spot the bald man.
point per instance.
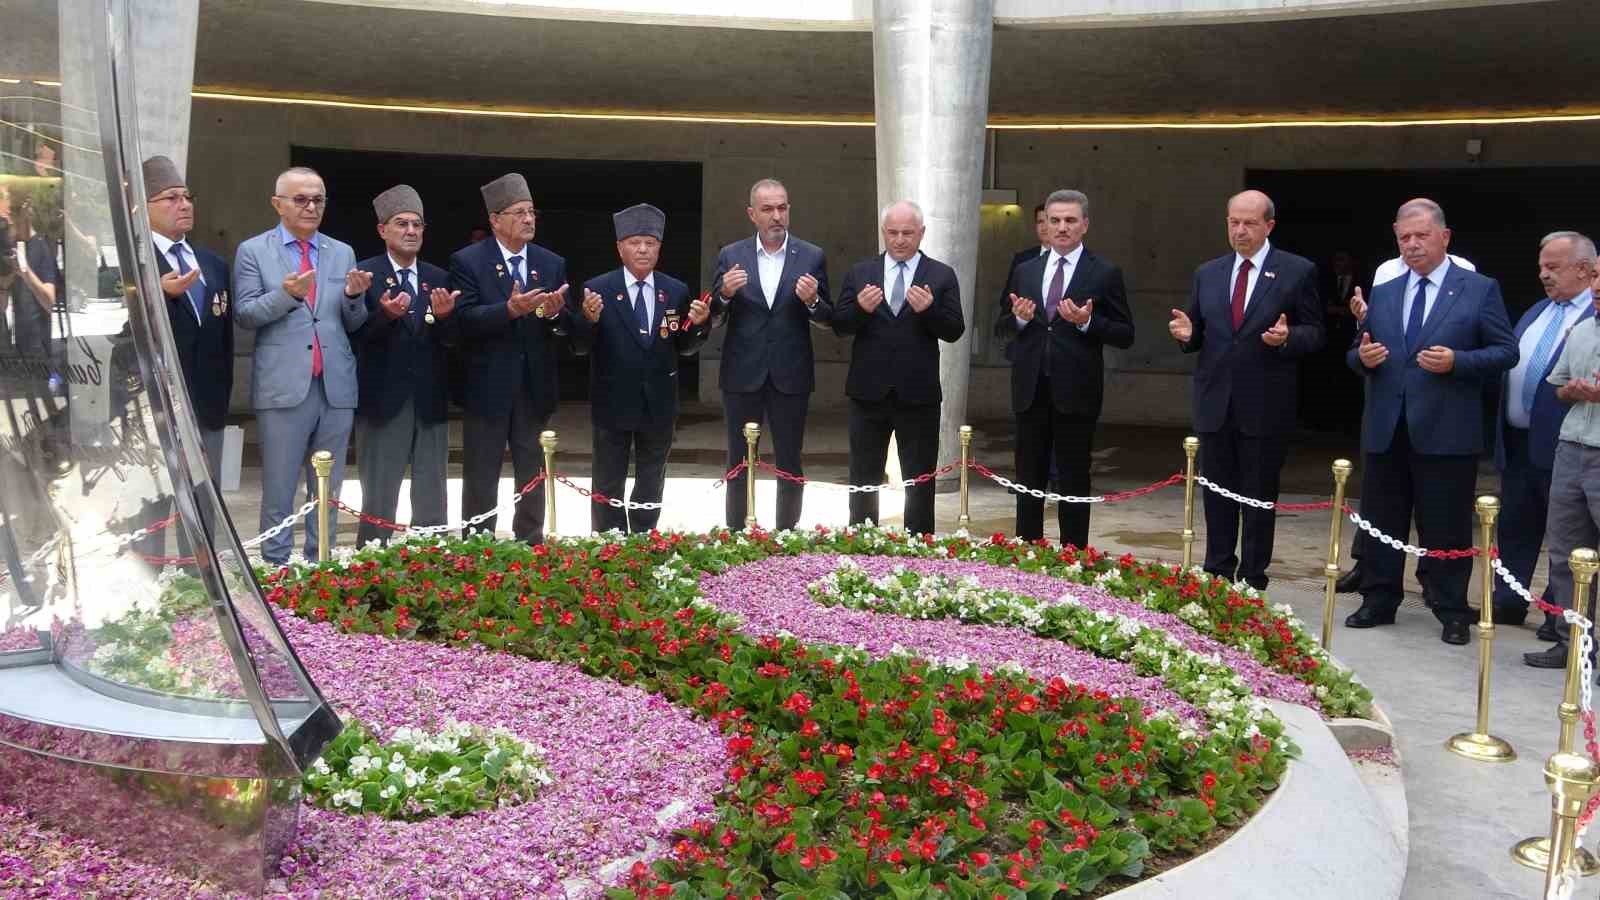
(1252, 315)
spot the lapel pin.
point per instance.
(499, 268)
(619, 296)
(389, 282)
(424, 285)
(428, 316)
(663, 329)
(1270, 274)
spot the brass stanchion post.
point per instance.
(1479, 744)
(548, 440)
(1534, 852)
(964, 520)
(1191, 447)
(322, 462)
(752, 434)
(1341, 472)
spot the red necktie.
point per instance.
(311, 303)
(1239, 285)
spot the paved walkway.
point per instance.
(1464, 816)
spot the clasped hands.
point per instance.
(1026, 309)
(1181, 327)
(919, 297)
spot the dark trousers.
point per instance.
(916, 430)
(1247, 465)
(1052, 442)
(1437, 490)
(784, 417)
(1524, 506)
(649, 448)
(483, 449)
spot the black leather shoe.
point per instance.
(1456, 632)
(1509, 615)
(1369, 617)
(1349, 582)
(1549, 658)
(1551, 630)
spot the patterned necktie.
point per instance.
(641, 314)
(1533, 376)
(516, 272)
(1419, 307)
(1058, 288)
(897, 298)
(1240, 285)
(311, 304)
(197, 291)
(414, 313)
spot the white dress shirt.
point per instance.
(632, 286)
(889, 272)
(1052, 259)
(167, 248)
(1394, 268)
(1254, 276)
(522, 263)
(1517, 416)
(416, 286)
(769, 268)
(1435, 282)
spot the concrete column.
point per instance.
(164, 35)
(930, 63)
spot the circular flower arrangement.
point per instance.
(832, 714)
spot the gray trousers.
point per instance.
(1574, 512)
(288, 438)
(211, 443)
(382, 454)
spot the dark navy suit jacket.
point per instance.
(899, 354)
(1544, 422)
(776, 342)
(1237, 369)
(1443, 413)
(403, 358)
(633, 378)
(205, 346)
(500, 354)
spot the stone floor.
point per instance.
(1464, 815)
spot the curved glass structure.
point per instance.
(142, 676)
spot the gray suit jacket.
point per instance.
(280, 369)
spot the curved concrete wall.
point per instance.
(856, 15)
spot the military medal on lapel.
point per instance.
(219, 304)
(671, 324)
(389, 281)
(428, 316)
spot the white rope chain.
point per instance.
(1038, 493)
(1396, 543)
(274, 531)
(1215, 488)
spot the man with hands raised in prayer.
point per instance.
(301, 293)
(770, 290)
(898, 306)
(1429, 343)
(403, 370)
(512, 309)
(1252, 315)
(1057, 352)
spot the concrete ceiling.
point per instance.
(1485, 59)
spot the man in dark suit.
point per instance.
(1061, 311)
(1041, 230)
(512, 308)
(401, 368)
(1253, 314)
(1430, 342)
(770, 290)
(899, 305)
(199, 308)
(636, 322)
(1529, 419)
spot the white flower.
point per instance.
(350, 798)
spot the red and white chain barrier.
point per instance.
(425, 530)
(1051, 497)
(924, 478)
(1242, 500)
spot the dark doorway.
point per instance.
(575, 199)
(1496, 218)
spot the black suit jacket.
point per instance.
(500, 354)
(205, 346)
(1238, 370)
(1077, 358)
(899, 354)
(776, 342)
(633, 379)
(1021, 256)
(403, 358)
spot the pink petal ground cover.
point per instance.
(770, 596)
(629, 768)
(19, 638)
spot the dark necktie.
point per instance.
(414, 313)
(641, 313)
(1058, 288)
(197, 291)
(1240, 288)
(1419, 307)
(516, 272)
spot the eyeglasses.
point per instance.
(184, 197)
(408, 224)
(303, 202)
(520, 213)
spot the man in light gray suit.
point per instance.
(300, 292)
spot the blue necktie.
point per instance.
(897, 298)
(1414, 322)
(516, 272)
(1533, 376)
(414, 314)
(197, 291)
(641, 313)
